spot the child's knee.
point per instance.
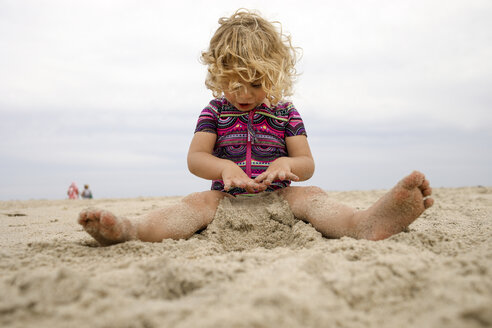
(311, 191)
(297, 195)
(205, 198)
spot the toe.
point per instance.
(413, 180)
(94, 214)
(107, 218)
(427, 192)
(425, 188)
(89, 215)
(82, 217)
(428, 202)
(425, 184)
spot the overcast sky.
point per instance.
(108, 92)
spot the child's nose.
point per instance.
(244, 92)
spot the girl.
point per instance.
(249, 140)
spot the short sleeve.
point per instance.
(207, 121)
(295, 126)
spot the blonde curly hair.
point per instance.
(246, 48)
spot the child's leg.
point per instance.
(178, 221)
(391, 214)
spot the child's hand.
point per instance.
(278, 170)
(234, 176)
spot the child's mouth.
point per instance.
(244, 106)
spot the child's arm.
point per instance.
(298, 166)
(202, 163)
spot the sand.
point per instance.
(254, 266)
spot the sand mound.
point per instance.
(261, 221)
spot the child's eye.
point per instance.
(256, 85)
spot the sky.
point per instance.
(107, 93)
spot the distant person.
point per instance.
(86, 193)
(248, 140)
(73, 191)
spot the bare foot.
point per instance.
(105, 227)
(395, 211)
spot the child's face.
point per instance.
(247, 98)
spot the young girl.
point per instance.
(249, 140)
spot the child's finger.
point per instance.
(266, 178)
(251, 187)
(262, 187)
(230, 183)
(238, 183)
(259, 178)
(293, 177)
(281, 175)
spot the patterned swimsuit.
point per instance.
(251, 139)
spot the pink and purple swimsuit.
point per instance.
(251, 139)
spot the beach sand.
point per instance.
(254, 266)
